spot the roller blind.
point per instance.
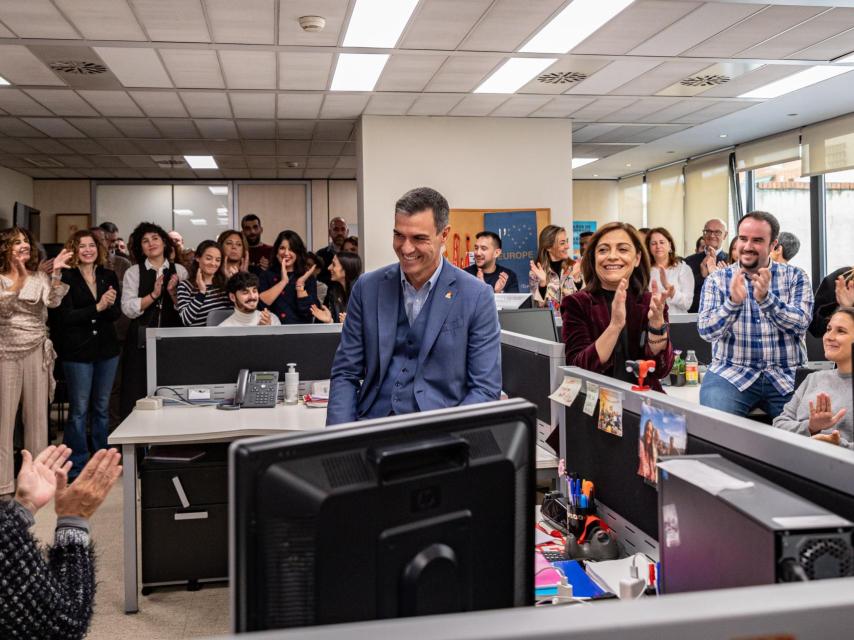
(706, 195)
(828, 146)
(631, 200)
(665, 202)
(768, 151)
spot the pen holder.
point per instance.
(576, 517)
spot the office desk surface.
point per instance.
(686, 393)
(176, 424)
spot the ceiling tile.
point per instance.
(138, 161)
(246, 21)
(343, 174)
(38, 173)
(217, 128)
(153, 174)
(231, 162)
(826, 25)
(159, 104)
(102, 19)
(564, 74)
(283, 161)
(674, 111)
(601, 108)
(8, 145)
(597, 131)
(392, 104)
(173, 20)
(249, 69)
(19, 66)
(613, 76)
(54, 127)
(299, 105)
(18, 103)
(442, 24)
(338, 105)
(640, 109)
(333, 129)
(48, 145)
(349, 149)
(158, 147)
(206, 104)
(714, 111)
(263, 174)
(67, 173)
(96, 172)
(17, 128)
(261, 129)
(123, 147)
(701, 81)
(184, 174)
(295, 147)
(192, 148)
(5, 33)
(434, 104)
(659, 78)
(325, 147)
(304, 71)
(239, 174)
(253, 105)
(346, 162)
(74, 161)
(829, 49)
(291, 10)
(296, 129)
(261, 162)
(766, 24)
(290, 174)
(520, 106)
(409, 72)
(562, 106)
(322, 162)
(136, 127)
(95, 127)
(111, 103)
(704, 22)
(753, 80)
(176, 127)
(63, 102)
(478, 105)
(260, 147)
(634, 25)
(35, 19)
(316, 174)
(135, 67)
(508, 24)
(463, 73)
(225, 147)
(120, 172)
(193, 69)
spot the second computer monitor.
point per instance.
(537, 323)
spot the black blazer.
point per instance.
(87, 334)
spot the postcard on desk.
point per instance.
(611, 412)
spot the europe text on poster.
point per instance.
(518, 233)
(662, 433)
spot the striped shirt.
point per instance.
(194, 307)
(755, 337)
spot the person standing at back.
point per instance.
(553, 275)
(755, 313)
(259, 253)
(487, 250)
(338, 233)
(710, 259)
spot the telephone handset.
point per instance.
(256, 389)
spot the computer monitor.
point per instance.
(538, 323)
(408, 515)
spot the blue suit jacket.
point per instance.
(459, 361)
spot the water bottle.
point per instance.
(291, 384)
(692, 369)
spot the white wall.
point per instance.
(595, 200)
(14, 187)
(475, 163)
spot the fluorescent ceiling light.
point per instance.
(378, 23)
(797, 81)
(514, 74)
(358, 71)
(182, 212)
(580, 162)
(573, 25)
(199, 222)
(201, 162)
(219, 191)
(846, 58)
(3, 81)
(222, 211)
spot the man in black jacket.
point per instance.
(709, 259)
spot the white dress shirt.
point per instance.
(681, 277)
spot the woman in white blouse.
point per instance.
(669, 271)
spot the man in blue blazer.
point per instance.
(421, 334)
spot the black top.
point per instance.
(326, 254)
(89, 335)
(621, 348)
(825, 302)
(512, 284)
(694, 261)
(287, 306)
(336, 300)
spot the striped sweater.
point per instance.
(194, 307)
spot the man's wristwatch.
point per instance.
(658, 332)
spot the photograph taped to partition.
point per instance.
(662, 433)
(611, 412)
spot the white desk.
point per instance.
(686, 393)
(184, 424)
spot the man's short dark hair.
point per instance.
(790, 245)
(109, 227)
(490, 234)
(421, 199)
(241, 281)
(763, 216)
(249, 217)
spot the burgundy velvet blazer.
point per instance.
(586, 316)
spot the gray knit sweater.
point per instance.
(796, 413)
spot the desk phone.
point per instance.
(256, 389)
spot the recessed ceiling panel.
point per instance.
(74, 161)
(637, 111)
(715, 111)
(48, 145)
(322, 162)
(159, 104)
(18, 103)
(614, 75)
(508, 24)
(409, 72)
(478, 104)
(172, 20)
(829, 49)
(673, 112)
(205, 104)
(442, 24)
(230, 147)
(337, 105)
(176, 127)
(135, 67)
(333, 129)
(692, 84)
(826, 25)
(54, 127)
(18, 128)
(125, 147)
(249, 69)
(659, 78)
(304, 71)
(136, 127)
(35, 19)
(390, 104)
(299, 105)
(111, 103)
(434, 104)
(297, 147)
(326, 147)
(564, 74)
(253, 105)
(138, 161)
(520, 106)
(602, 108)
(217, 128)
(102, 19)
(463, 73)
(242, 21)
(193, 69)
(752, 80)
(83, 145)
(262, 129)
(591, 132)
(95, 127)
(290, 12)
(260, 147)
(19, 66)
(562, 107)
(63, 102)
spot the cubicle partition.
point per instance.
(814, 470)
(211, 357)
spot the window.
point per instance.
(839, 212)
(783, 192)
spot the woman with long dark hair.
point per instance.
(204, 289)
(90, 346)
(26, 352)
(288, 289)
(345, 269)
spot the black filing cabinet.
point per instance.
(184, 514)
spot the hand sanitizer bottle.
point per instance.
(292, 384)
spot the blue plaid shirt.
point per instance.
(755, 337)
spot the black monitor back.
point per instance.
(684, 336)
(408, 515)
(218, 359)
(537, 323)
(527, 375)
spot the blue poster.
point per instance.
(518, 233)
(579, 227)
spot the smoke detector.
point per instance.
(312, 24)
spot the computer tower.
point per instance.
(721, 526)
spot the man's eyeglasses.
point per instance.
(713, 232)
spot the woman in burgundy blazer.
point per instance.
(614, 318)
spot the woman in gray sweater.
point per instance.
(822, 405)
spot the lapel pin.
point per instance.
(449, 295)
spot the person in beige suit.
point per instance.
(26, 352)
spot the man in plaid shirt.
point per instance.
(755, 314)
